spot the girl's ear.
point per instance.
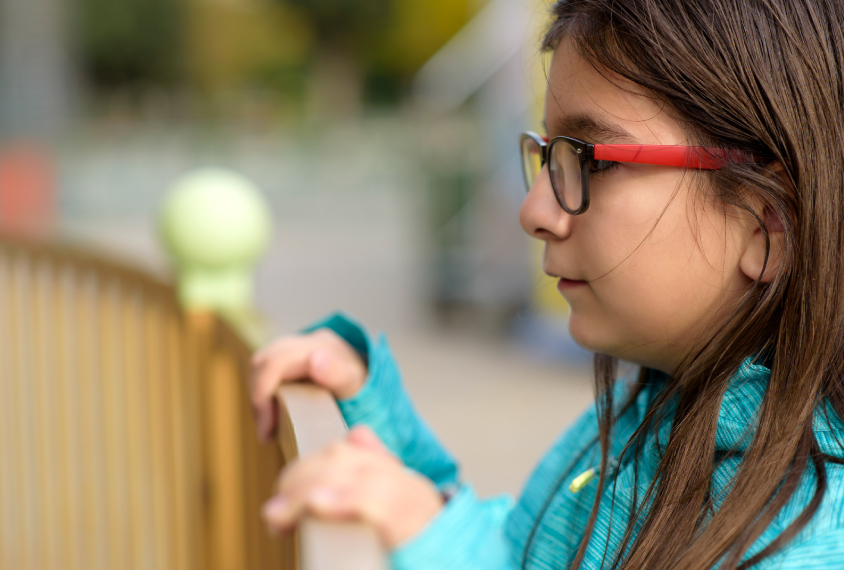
(753, 260)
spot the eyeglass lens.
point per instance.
(565, 175)
(532, 161)
(564, 170)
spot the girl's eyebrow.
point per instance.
(589, 128)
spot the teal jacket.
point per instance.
(543, 529)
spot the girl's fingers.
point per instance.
(260, 356)
(274, 513)
(333, 461)
(277, 345)
(364, 438)
(310, 485)
(286, 366)
(321, 356)
(337, 368)
(290, 359)
(320, 365)
(352, 481)
(282, 513)
(335, 504)
(327, 369)
(266, 417)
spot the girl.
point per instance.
(690, 195)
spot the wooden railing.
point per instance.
(126, 440)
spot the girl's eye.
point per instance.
(602, 166)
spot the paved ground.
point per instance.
(496, 406)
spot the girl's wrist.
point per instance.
(421, 505)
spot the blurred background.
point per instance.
(382, 134)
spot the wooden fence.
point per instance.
(126, 438)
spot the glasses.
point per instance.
(571, 162)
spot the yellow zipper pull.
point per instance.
(582, 480)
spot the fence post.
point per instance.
(215, 224)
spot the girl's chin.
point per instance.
(582, 334)
(589, 337)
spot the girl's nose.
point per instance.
(541, 216)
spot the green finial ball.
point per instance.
(215, 224)
(215, 217)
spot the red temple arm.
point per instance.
(667, 155)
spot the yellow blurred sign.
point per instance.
(547, 300)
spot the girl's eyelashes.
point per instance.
(602, 166)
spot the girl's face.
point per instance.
(654, 261)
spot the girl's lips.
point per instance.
(566, 284)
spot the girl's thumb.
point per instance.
(364, 438)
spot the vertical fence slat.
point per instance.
(193, 390)
(176, 379)
(45, 412)
(72, 293)
(29, 544)
(131, 338)
(261, 464)
(158, 418)
(96, 552)
(115, 409)
(250, 490)
(8, 445)
(64, 393)
(224, 457)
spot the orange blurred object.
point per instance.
(27, 190)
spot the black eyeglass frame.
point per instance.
(585, 153)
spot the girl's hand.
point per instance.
(357, 479)
(321, 356)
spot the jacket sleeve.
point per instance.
(383, 405)
(467, 534)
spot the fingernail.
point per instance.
(275, 507)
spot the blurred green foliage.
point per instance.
(217, 47)
(348, 24)
(243, 45)
(126, 41)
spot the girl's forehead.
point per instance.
(590, 127)
(582, 100)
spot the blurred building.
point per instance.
(38, 96)
(37, 75)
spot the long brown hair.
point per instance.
(762, 77)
